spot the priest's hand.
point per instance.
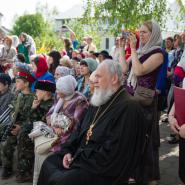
(67, 160)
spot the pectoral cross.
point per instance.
(89, 133)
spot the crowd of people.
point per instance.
(78, 116)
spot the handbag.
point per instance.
(144, 95)
(41, 128)
(43, 144)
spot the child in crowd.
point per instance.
(18, 133)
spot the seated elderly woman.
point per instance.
(61, 71)
(71, 107)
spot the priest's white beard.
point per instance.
(100, 97)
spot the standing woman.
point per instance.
(68, 47)
(53, 60)
(23, 46)
(144, 67)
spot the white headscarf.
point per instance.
(154, 42)
(66, 85)
(64, 71)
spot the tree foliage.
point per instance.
(33, 24)
(129, 13)
(182, 7)
(40, 29)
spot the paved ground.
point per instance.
(168, 162)
(168, 159)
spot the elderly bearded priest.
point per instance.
(107, 148)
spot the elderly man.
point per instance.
(107, 148)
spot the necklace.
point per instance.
(96, 118)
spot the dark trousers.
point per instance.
(53, 173)
(25, 152)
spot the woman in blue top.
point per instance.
(87, 66)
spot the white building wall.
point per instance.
(107, 43)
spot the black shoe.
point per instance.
(7, 173)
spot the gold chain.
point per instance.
(94, 122)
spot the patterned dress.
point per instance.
(75, 110)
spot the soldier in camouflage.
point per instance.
(40, 106)
(43, 101)
(19, 133)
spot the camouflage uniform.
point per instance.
(39, 114)
(24, 144)
(25, 147)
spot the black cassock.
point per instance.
(114, 150)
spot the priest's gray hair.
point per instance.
(114, 69)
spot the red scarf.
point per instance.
(42, 66)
